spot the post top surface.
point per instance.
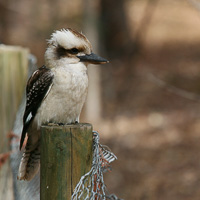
(57, 126)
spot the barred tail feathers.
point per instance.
(30, 164)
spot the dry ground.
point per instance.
(157, 135)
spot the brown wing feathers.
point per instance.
(37, 87)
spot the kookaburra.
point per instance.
(55, 92)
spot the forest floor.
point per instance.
(157, 137)
(158, 147)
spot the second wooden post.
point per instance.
(66, 155)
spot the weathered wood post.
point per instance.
(66, 155)
(13, 76)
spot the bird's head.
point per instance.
(71, 47)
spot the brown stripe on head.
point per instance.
(79, 35)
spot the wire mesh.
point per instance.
(91, 185)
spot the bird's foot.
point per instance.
(55, 124)
(61, 124)
(52, 124)
(76, 122)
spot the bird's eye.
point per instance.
(74, 51)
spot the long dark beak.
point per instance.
(93, 58)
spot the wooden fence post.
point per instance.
(13, 76)
(66, 155)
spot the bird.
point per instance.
(55, 92)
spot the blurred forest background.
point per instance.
(149, 92)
